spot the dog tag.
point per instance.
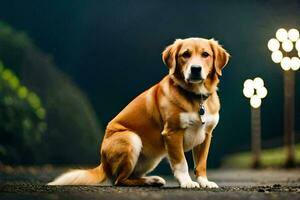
(201, 110)
(201, 113)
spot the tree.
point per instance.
(22, 120)
(73, 134)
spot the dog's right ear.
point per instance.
(169, 56)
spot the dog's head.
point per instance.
(195, 61)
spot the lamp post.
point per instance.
(283, 52)
(256, 91)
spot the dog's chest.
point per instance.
(194, 130)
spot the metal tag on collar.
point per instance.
(201, 110)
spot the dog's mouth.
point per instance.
(195, 79)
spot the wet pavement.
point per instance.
(29, 183)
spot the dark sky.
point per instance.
(112, 50)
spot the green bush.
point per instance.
(22, 120)
(73, 134)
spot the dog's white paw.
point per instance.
(155, 181)
(204, 183)
(189, 184)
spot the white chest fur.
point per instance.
(194, 129)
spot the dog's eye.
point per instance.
(186, 54)
(205, 54)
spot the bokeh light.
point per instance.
(289, 40)
(255, 90)
(255, 101)
(258, 83)
(287, 45)
(273, 44)
(285, 63)
(295, 63)
(262, 92)
(248, 92)
(277, 56)
(293, 34)
(249, 84)
(281, 34)
(298, 45)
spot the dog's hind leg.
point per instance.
(120, 153)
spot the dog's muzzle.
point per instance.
(195, 73)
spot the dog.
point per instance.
(176, 115)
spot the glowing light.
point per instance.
(281, 34)
(285, 63)
(277, 56)
(295, 63)
(258, 83)
(248, 92)
(248, 83)
(255, 101)
(273, 44)
(287, 45)
(293, 34)
(288, 40)
(255, 90)
(298, 45)
(262, 92)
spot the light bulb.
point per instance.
(248, 83)
(295, 63)
(293, 34)
(273, 44)
(287, 45)
(281, 34)
(255, 101)
(277, 56)
(297, 45)
(285, 63)
(248, 92)
(262, 92)
(258, 83)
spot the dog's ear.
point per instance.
(220, 56)
(169, 56)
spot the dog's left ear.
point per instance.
(220, 56)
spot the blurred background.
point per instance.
(69, 66)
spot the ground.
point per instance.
(29, 183)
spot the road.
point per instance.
(29, 183)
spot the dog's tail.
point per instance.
(81, 177)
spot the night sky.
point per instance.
(112, 50)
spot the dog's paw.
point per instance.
(204, 183)
(155, 181)
(189, 184)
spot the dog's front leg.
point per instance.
(174, 145)
(200, 154)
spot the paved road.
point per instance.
(29, 183)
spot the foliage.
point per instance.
(269, 157)
(22, 119)
(73, 133)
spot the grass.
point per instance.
(269, 158)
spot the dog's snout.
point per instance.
(195, 69)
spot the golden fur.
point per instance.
(156, 123)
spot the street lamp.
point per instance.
(256, 91)
(288, 57)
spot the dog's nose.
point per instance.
(196, 69)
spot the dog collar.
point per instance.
(201, 97)
(193, 95)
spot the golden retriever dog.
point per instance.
(176, 115)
